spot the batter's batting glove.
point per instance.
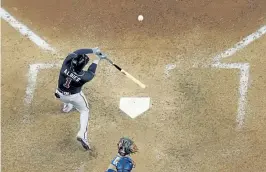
(96, 50)
(101, 56)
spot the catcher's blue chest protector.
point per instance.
(123, 164)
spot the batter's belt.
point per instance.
(62, 92)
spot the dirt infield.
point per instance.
(191, 125)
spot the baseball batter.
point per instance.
(71, 79)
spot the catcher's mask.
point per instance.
(79, 62)
(126, 146)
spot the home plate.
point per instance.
(134, 106)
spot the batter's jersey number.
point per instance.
(67, 83)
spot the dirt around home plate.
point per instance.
(191, 124)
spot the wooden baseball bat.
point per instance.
(127, 74)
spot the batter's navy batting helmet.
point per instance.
(79, 62)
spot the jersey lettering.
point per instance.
(71, 82)
(67, 83)
(71, 75)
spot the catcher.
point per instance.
(123, 162)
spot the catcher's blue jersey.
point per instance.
(121, 164)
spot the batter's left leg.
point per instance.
(81, 104)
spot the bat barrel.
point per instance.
(127, 74)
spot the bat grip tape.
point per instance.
(117, 67)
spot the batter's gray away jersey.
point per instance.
(70, 81)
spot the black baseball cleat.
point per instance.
(85, 145)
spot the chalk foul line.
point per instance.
(240, 45)
(244, 71)
(24, 30)
(34, 68)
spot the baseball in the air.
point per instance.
(140, 18)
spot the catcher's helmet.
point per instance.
(126, 146)
(79, 62)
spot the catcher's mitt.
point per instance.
(126, 146)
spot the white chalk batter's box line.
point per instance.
(243, 67)
(32, 78)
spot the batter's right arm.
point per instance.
(95, 62)
(92, 68)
